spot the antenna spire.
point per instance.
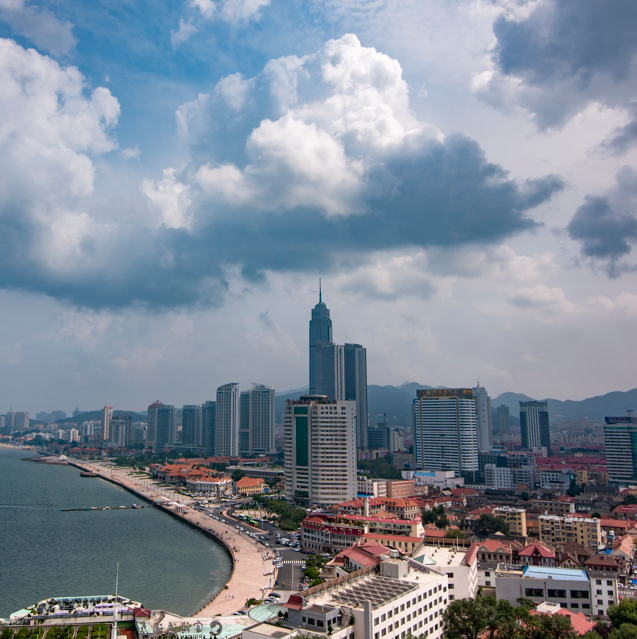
(320, 292)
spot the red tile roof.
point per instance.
(543, 551)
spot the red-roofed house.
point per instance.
(580, 623)
(536, 555)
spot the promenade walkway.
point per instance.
(251, 559)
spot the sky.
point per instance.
(176, 177)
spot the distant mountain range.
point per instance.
(396, 401)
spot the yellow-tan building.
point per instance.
(556, 530)
(515, 517)
(247, 486)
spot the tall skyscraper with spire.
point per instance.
(320, 331)
(339, 372)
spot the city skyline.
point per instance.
(178, 177)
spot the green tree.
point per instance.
(435, 515)
(488, 524)
(630, 500)
(626, 631)
(550, 627)
(483, 616)
(624, 612)
(454, 533)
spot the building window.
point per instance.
(451, 597)
(600, 592)
(450, 586)
(586, 605)
(598, 582)
(610, 593)
(558, 594)
(609, 582)
(579, 594)
(487, 583)
(535, 592)
(574, 605)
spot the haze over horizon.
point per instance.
(175, 179)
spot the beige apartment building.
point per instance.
(556, 530)
(515, 517)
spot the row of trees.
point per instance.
(290, 517)
(488, 618)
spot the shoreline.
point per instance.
(252, 574)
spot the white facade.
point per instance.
(262, 419)
(445, 430)
(397, 441)
(227, 421)
(320, 451)
(404, 599)
(460, 565)
(107, 415)
(484, 418)
(371, 487)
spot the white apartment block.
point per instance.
(319, 451)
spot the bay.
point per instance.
(45, 552)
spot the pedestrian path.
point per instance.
(293, 562)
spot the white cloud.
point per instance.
(333, 117)
(48, 131)
(39, 25)
(183, 33)
(624, 304)
(131, 153)
(549, 300)
(232, 11)
(171, 197)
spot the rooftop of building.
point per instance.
(537, 548)
(580, 623)
(447, 556)
(563, 574)
(363, 585)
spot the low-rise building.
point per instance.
(556, 530)
(554, 506)
(400, 489)
(515, 517)
(570, 588)
(460, 565)
(248, 486)
(371, 487)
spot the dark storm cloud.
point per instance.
(571, 43)
(442, 194)
(623, 137)
(605, 228)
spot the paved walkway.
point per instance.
(251, 559)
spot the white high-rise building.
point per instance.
(262, 419)
(320, 451)
(166, 426)
(227, 421)
(107, 415)
(485, 418)
(445, 430)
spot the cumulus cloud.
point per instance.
(39, 25)
(606, 226)
(314, 164)
(557, 57)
